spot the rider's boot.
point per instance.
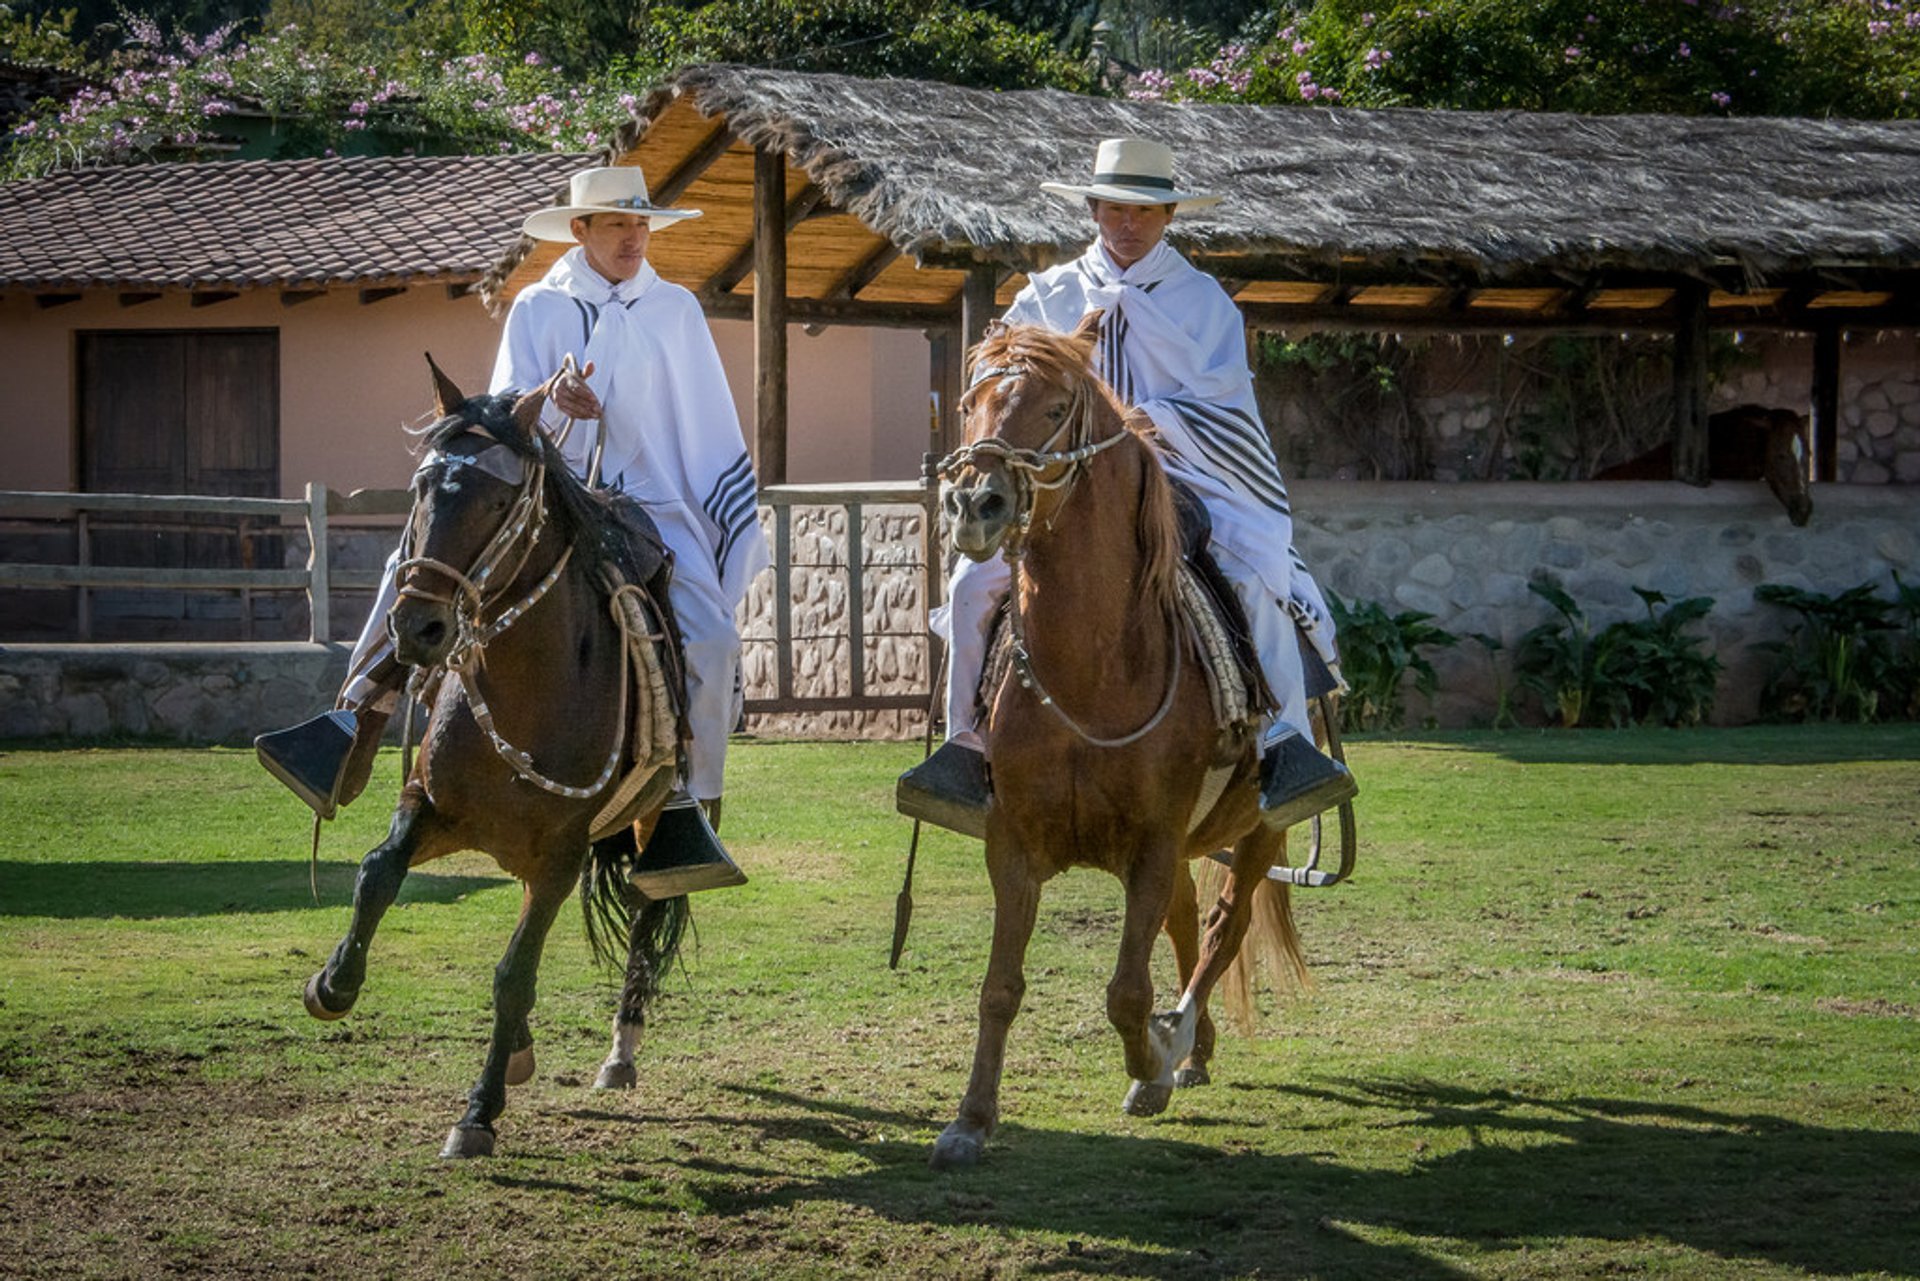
(311, 758)
(1298, 781)
(326, 761)
(683, 856)
(949, 789)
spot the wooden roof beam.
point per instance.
(817, 311)
(698, 161)
(864, 272)
(740, 265)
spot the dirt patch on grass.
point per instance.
(1877, 1008)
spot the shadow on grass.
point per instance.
(85, 890)
(1743, 745)
(1535, 1172)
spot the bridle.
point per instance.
(1027, 469)
(471, 592)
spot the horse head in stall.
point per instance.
(521, 645)
(1747, 442)
(1105, 748)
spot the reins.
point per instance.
(517, 535)
(1025, 467)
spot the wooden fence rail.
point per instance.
(318, 579)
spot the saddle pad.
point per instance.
(1234, 681)
(654, 716)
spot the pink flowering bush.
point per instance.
(1858, 58)
(180, 97)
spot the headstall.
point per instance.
(479, 586)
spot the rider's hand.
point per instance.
(572, 396)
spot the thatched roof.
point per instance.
(1326, 208)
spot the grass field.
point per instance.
(1596, 1004)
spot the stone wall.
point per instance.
(1461, 552)
(1464, 553)
(1480, 409)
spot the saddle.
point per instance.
(1241, 696)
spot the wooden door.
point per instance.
(179, 412)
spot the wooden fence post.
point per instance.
(319, 575)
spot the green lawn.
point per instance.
(1595, 1003)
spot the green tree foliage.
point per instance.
(1857, 58)
(474, 75)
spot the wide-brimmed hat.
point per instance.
(1133, 171)
(619, 189)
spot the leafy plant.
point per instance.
(1642, 671)
(1841, 656)
(1378, 651)
(1503, 717)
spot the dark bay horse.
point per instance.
(502, 600)
(1747, 442)
(1107, 754)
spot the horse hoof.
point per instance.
(1147, 1098)
(316, 1003)
(520, 1066)
(958, 1148)
(1188, 1077)
(465, 1141)
(616, 1076)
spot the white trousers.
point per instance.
(976, 588)
(710, 643)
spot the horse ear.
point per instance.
(1086, 334)
(526, 412)
(446, 396)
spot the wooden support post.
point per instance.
(1690, 384)
(770, 313)
(943, 387)
(319, 573)
(1825, 396)
(977, 307)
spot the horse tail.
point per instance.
(1272, 943)
(644, 939)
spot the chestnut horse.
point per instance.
(1102, 747)
(502, 599)
(1747, 442)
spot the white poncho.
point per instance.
(1174, 345)
(673, 440)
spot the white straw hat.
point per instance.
(619, 189)
(1133, 171)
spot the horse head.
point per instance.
(476, 512)
(1027, 396)
(1786, 464)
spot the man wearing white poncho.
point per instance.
(647, 390)
(1172, 344)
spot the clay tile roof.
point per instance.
(354, 220)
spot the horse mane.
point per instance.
(1065, 360)
(581, 516)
